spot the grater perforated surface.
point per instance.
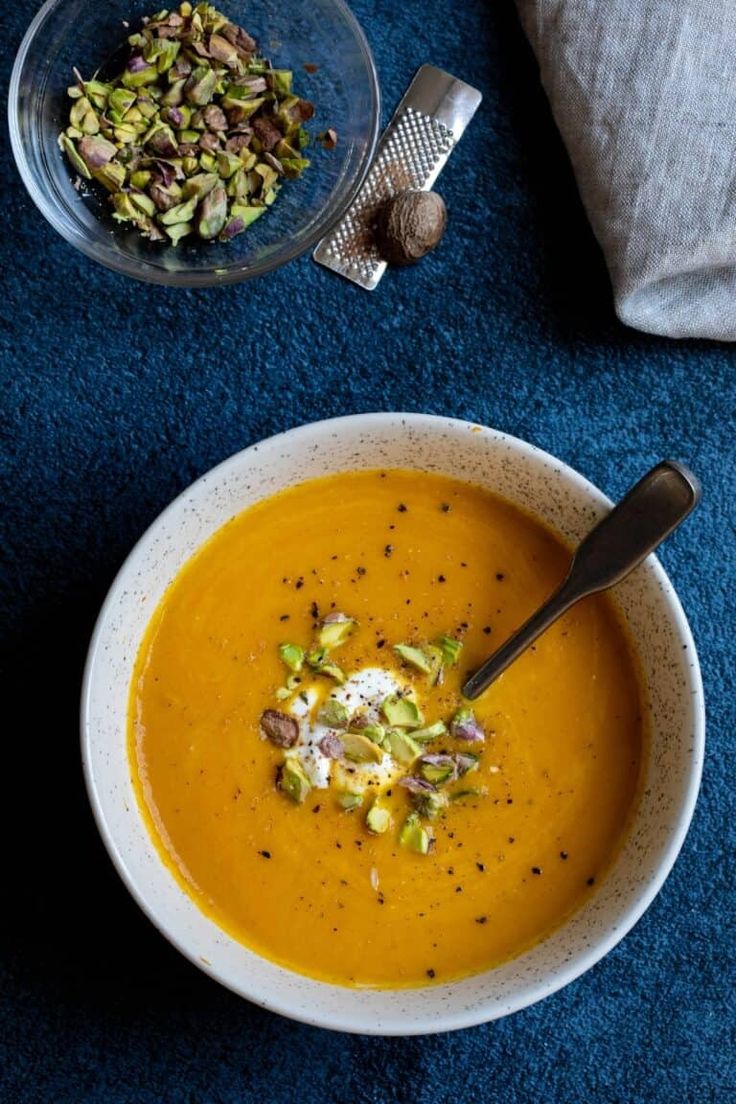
(413, 151)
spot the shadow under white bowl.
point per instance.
(537, 482)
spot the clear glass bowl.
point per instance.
(344, 89)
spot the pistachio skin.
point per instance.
(410, 225)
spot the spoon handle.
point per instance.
(642, 519)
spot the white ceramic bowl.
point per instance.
(537, 482)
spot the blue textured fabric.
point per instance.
(115, 396)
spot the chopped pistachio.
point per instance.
(374, 732)
(435, 656)
(146, 107)
(350, 801)
(464, 726)
(238, 186)
(246, 107)
(268, 175)
(183, 212)
(174, 95)
(431, 732)
(402, 747)
(232, 229)
(280, 728)
(213, 118)
(317, 657)
(161, 139)
(180, 117)
(161, 52)
(378, 819)
(97, 92)
(331, 746)
(283, 692)
(124, 209)
(142, 202)
(438, 769)
(466, 762)
(292, 682)
(415, 785)
(294, 166)
(208, 162)
(166, 197)
(121, 100)
(228, 164)
(291, 654)
(137, 117)
(401, 712)
(335, 630)
(286, 107)
(139, 76)
(292, 780)
(212, 213)
(328, 139)
(112, 176)
(431, 803)
(79, 109)
(334, 714)
(200, 86)
(359, 749)
(96, 152)
(415, 657)
(223, 51)
(247, 214)
(140, 179)
(125, 133)
(283, 149)
(414, 836)
(281, 81)
(450, 649)
(71, 151)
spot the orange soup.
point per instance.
(307, 765)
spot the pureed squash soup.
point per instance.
(306, 763)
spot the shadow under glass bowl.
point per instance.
(344, 89)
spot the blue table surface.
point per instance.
(115, 397)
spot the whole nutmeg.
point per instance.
(410, 225)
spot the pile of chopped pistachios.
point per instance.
(369, 735)
(197, 132)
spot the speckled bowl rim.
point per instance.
(439, 1020)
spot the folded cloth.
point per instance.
(644, 95)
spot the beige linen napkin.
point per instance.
(644, 95)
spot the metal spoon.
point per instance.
(617, 544)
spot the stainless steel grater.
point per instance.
(412, 152)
